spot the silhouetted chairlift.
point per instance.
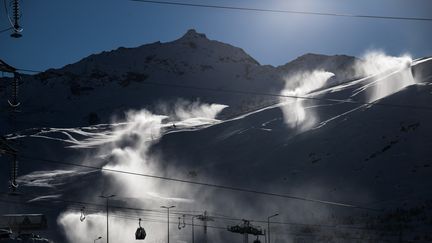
(180, 225)
(140, 233)
(82, 217)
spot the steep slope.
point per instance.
(351, 144)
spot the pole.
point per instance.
(107, 213)
(168, 209)
(168, 223)
(204, 218)
(205, 226)
(246, 235)
(107, 220)
(193, 230)
(268, 229)
(193, 227)
(268, 225)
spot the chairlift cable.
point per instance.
(4, 30)
(257, 93)
(330, 14)
(225, 187)
(77, 205)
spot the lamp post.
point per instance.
(193, 228)
(268, 225)
(100, 237)
(168, 209)
(107, 205)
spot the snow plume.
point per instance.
(49, 179)
(128, 149)
(183, 109)
(375, 62)
(387, 74)
(182, 113)
(294, 110)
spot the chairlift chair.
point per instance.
(82, 216)
(140, 233)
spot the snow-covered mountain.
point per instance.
(108, 83)
(361, 138)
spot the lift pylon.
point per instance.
(205, 218)
(246, 229)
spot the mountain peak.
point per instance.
(193, 34)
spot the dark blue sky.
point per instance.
(59, 32)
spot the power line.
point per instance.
(299, 224)
(349, 101)
(100, 207)
(391, 234)
(7, 15)
(152, 220)
(305, 97)
(230, 188)
(284, 11)
(4, 30)
(234, 91)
